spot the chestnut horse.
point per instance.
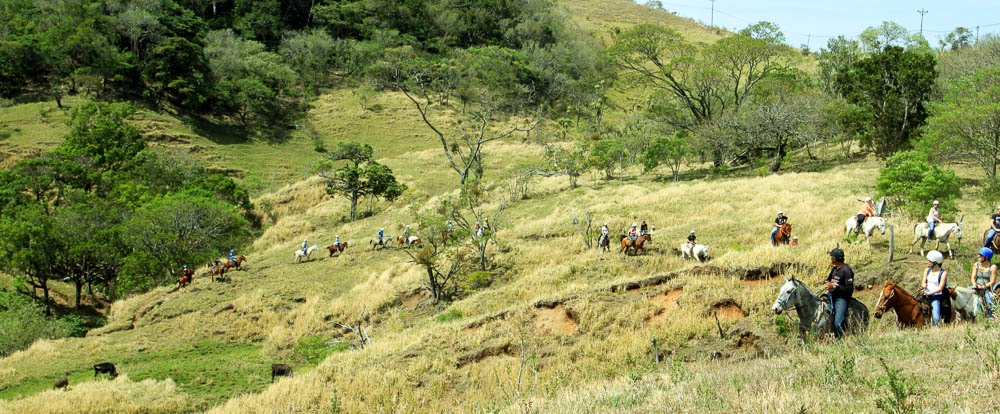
(994, 244)
(183, 281)
(784, 234)
(907, 307)
(337, 249)
(626, 243)
(237, 264)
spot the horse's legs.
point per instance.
(948, 244)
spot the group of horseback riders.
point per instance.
(634, 232)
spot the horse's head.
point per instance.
(958, 231)
(787, 296)
(881, 225)
(887, 294)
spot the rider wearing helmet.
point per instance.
(336, 241)
(381, 235)
(633, 233)
(778, 222)
(188, 272)
(933, 218)
(994, 228)
(935, 283)
(691, 238)
(867, 210)
(644, 228)
(232, 255)
(604, 234)
(984, 277)
(305, 246)
(840, 288)
(406, 234)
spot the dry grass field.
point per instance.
(561, 328)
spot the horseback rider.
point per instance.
(305, 247)
(188, 272)
(381, 236)
(691, 238)
(935, 285)
(840, 288)
(778, 222)
(406, 234)
(232, 256)
(486, 225)
(644, 229)
(451, 227)
(867, 210)
(336, 241)
(994, 228)
(604, 233)
(984, 277)
(933, 218)
(633, 234)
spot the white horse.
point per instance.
(942, 232)
(299, 254)
(869, 226)
(967, 303)
(814, 313)
(698, 251)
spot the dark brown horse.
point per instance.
(183, 281)
(994, 244)
(626, 243)
(784, 234)
(337, 249)
(237, 264)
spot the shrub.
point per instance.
(17, 334)
(911, 181)
(450, 315)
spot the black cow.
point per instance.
(280, 370)
(62, 383)
(105, 368)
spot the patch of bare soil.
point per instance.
(487, 352)
(412, 301)
(666, 303)
(556, 320)
(728, 309)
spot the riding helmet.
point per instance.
(780, 212)
(837, 254)
(935, 202)
(868, 199)
(986, 253)
(935, 257)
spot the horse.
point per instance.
(814, 313)
(405, 242)
(299, 254)
(604, 242)
(235, 264)
(942, 233)
(994, 244)
(218, 272)
(967, 303)
(374, 242)
(183, 281)
(698, 251)
(626, 243)
(784, 234)
(337, 249)
(907, 307)
(867, 227)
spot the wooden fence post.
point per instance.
(892, 240)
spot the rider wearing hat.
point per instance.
(778, 222)
(867, 210)
(188, 272)
(840, 286)
(934, 284)
(933, 218)
(604, 233)
(336, 241)
(984, 277)
(232, 256)
(381, 235)
(644, 228)
(691, 238)
(994, 228)
(633, 233)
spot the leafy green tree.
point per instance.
(893, 86)
(965, 122)
(912, 181)
(90, 241)
(838, 57)
(21, 323)
(185, 85)
(666, 149)
(100, 133)
(959, 38)
(177, 229)
(360, 177)
(311, 54)
(605, 155)
(27, 246)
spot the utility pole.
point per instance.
(713, 13)
(977, 34)
(922, 13)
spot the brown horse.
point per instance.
(910, 312)
(994, 244)
(907, 307)
(626, 243)
(183, 281)
(784, 234)
(336, 249)
(237, 264)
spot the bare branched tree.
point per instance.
(362, 335)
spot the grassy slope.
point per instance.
(210, 345)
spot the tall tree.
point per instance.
(360, 177)
(893, 87)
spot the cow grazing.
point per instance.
(280, 370)
(62, 383)
(105, 368)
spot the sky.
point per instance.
(813, 22)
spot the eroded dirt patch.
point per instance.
(666, 303)
(487, 352)
(728, 309)
(556, 320)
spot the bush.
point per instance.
(911, 181)
(314, 349)
(16, 333)
(449, 316)
(474, 282)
